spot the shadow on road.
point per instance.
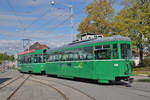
(4, 80)
(121, 83)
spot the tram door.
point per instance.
(63, 68)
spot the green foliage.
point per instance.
(146, 62)
(98, 20)
(134, 22)
(141, 73)
(141, 69)
(5, 56)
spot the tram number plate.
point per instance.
(116, 65)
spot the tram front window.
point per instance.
(125, 51)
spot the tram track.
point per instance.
(11, 81)
(45, 84)
(13, 93)
(35, 81)
(61, 89)
(68, 86)
(92, 98)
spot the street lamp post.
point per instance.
(71, 17)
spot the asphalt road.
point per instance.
(78, 90)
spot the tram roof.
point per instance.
(98, 40)
(32, 51)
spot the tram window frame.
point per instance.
(70, 57)
(63, 57)
(29, 59)
(41, 58)
(125, 51)
(75, 57)
(45, 57)
(84, 53)
(37, 57)
(21, 58)
(50, 58)
(23, 61)
(56, 57)
(102, 52)
(26, 59)
(115, 51)
(88, 53)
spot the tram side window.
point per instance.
(103, 52)
(45, 57)
(37, 59)
(85, 53)
(72, 55)
(88, 53)
(64, 57)
(70, 58)
(29, 59)
(115, 51)
(125, 51)
(40, 60)
(21, 60)
(55, 57)
(59, 57)
(26, 59)
(78, 55)
(50, 58)
(75, 56)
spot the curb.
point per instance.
(145, 75)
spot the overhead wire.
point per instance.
(37, 19)
(20, 22)
(43, 25)
(61, 23)
(30, 25)
(13, 10)
(57, 25)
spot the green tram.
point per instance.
(102, 59)
(32, 61)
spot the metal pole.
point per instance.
(72, 25)
(71, 17)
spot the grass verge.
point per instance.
(141, 69)
(142, 72)
(144, 80)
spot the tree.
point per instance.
(134, 22)
(98, 20)
(11, 58)
(5, 56)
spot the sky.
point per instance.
(39, 21)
